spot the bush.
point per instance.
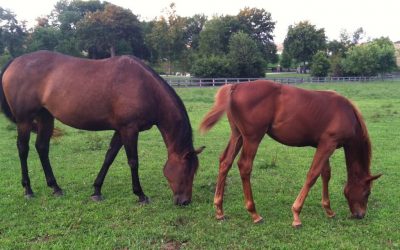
(320, 65)
(211, 66)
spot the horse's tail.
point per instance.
(221, 102)
(4, 107)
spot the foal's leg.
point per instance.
(115, 146)
(326, 176)
(45, 126)
(24, 130)
(225, 163)
(324, 151)
(129, 138)
(245, 163)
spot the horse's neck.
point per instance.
(175, 128)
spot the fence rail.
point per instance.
(210, 82)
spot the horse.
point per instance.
(119, 93)
(292, 116)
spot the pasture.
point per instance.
(74, 221)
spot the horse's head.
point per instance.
(357, 193)
(179, 171)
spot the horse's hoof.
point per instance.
(58, 193)
(29, 196)
(144, 201)
(97, 198)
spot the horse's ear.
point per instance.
(199, 150)
(195, 152)
(373, 177)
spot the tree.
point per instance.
(303, 41)
(320, 64)
(12, 33)
(171, 36)
(215, 36)
(245, 57)
(259, 25)
(286, 60)
(108, 29)
(43, 38)
(370, 59)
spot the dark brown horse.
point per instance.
(294, 117)
(120, 94)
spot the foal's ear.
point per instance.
(373, 177)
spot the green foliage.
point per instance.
(286, 60)
(118, 222)
(320, 64)
(43, 38)
(258, 24)
(245, 57)
(211, 66)
(304, 40)
(370, 59)
(12, 33)
(214, 39)
(107, 29)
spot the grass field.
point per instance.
(75, 222)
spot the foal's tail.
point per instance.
(220, 105)
(4, 107)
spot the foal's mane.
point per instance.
(364, 142)
(184, 136)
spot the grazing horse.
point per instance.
(294, 117)
(119, 93)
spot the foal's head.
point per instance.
(357, 193)
(179, 171)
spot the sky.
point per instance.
(377, 18)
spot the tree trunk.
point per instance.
(112, 51)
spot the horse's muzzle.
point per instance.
(181, 201)
(358, 215)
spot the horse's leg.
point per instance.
(245, 163)
(225, 163)
(45, 126)
(326, 176)
(24, 130)
(115, 146)
(323, 152)
(129, 138)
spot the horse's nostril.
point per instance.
(358, 215)
(185, 203)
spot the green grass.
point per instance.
(75, 222)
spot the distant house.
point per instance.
(397, 46)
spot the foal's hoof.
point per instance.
(259, 220)
(97, 198)
(296, 225)
(220, 217)
(144, 200)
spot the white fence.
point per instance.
(209, 82)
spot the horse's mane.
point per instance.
(185, 132)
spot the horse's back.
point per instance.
(83, 93)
